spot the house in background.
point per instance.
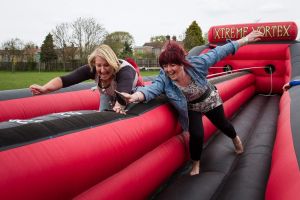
(146, 56)
(25, 55)
(153, 48)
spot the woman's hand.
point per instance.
(118, 108)
(51, 86)
(286, 86)
(130, 98)
(252, 37)
(37, 89)
(134, 98)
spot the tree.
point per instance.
(61, 37)
(47, 50)
(120, 42)
(193, 36)
(29, 51)
(86, 35)
(205, 38)
(158, 39)
(13, 49)
(127, 51)
(30, 54)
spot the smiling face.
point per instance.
(174, 71)
(103, 69)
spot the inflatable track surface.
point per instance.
(58, 146)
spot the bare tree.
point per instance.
(61, 36)
(30, 51)
(13, 49)
(86, 35)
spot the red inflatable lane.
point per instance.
(142, 177)
(229, 88)
(65, 166)
(106, 155)
(230, 107)
(284, 180)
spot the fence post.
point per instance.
(39, 66)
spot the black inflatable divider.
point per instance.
(20, 132)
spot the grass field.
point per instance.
(17, 80)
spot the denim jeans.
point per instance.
(105, 102)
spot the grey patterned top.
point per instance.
(192, 92)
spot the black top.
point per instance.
(124, 77)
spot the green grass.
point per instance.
(150, 73)
(17, 80)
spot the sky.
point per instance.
(32, 20)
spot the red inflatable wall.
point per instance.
(272, 31)
(34, 106)
(63, 167)
(284, 180)
(257, 58)
(116, 157)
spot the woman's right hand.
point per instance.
(37, 89)
(51, 86)
(134, 98)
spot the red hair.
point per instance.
(173, 53)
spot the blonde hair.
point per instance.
(105, 52)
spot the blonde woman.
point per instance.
(109, 72)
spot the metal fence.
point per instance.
(144, 64)
(147, 64)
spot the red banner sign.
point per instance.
(272, 31)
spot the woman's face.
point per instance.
(103, 69)
(174, 71)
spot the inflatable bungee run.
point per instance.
(58, 146)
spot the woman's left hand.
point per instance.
(254, 36)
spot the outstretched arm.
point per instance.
(52, 85)
(80, 74)
(204, 61)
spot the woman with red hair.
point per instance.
(183, 80)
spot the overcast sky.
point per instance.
(32, 20)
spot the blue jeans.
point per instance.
(105, 102)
